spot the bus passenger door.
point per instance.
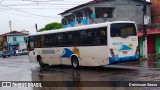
(32, 56)
(31, 48)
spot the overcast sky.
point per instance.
(24, 14)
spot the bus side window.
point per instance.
(89, 37)
(65, 39)
(83, 36)
(103, 36)
(37, 41)
(75, 38)
(70, 38)
(46, 43)
(60, 35)
(55, 40)
(96, 38)
(50, 40)
(42, 41)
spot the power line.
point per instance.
(1, 1)
(25, 15)
(69, 4)
(26, 12)
(48, 9)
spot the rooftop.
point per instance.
(91, 2)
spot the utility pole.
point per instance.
(145, 51)
(36, 27)
(10, 25)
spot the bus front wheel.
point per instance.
(41, 64)
(75, 62)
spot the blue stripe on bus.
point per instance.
(123, 59)
(66, 53)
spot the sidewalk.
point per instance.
(153, 64)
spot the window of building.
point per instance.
(14, 39)
(25, 39)
(104, 12)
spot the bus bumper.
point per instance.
(113, 60)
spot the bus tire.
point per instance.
(75, 62)
(41, 64)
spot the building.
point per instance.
(1, 42)
(155, 11)
(16, 40)
(153, 32)
(98, 11)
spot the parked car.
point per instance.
(21, 52)
(5, 54)
(0, 53)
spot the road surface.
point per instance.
(18, 68)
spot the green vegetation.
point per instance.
(51, 26)
(13, 32)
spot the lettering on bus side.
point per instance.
(48, 51)
(117, 43)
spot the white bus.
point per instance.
(88, 45)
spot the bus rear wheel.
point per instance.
(75, 62)
(41, 64)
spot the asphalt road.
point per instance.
(18, 68)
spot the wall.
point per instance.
(20, 40)
(131, 10)
(155, 11)
(158, 44)
(126, 9)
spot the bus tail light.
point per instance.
(112, 53)
(137, 50)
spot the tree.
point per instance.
(42, 29)
(51, 26)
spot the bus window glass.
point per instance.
(62, 39)
(42, 41)
(65, 39)
(75, 38)
(130, 31)
(89, 37)
(55, 40)
(83, 37)
(103, 36)
(50, 40)
(95, 37)
(99, 36)
(70, 38)
(46, 43)
(123, 29)
(38, 41)
(31, 43)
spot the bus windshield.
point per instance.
(123, 29)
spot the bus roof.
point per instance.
(79, 28)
